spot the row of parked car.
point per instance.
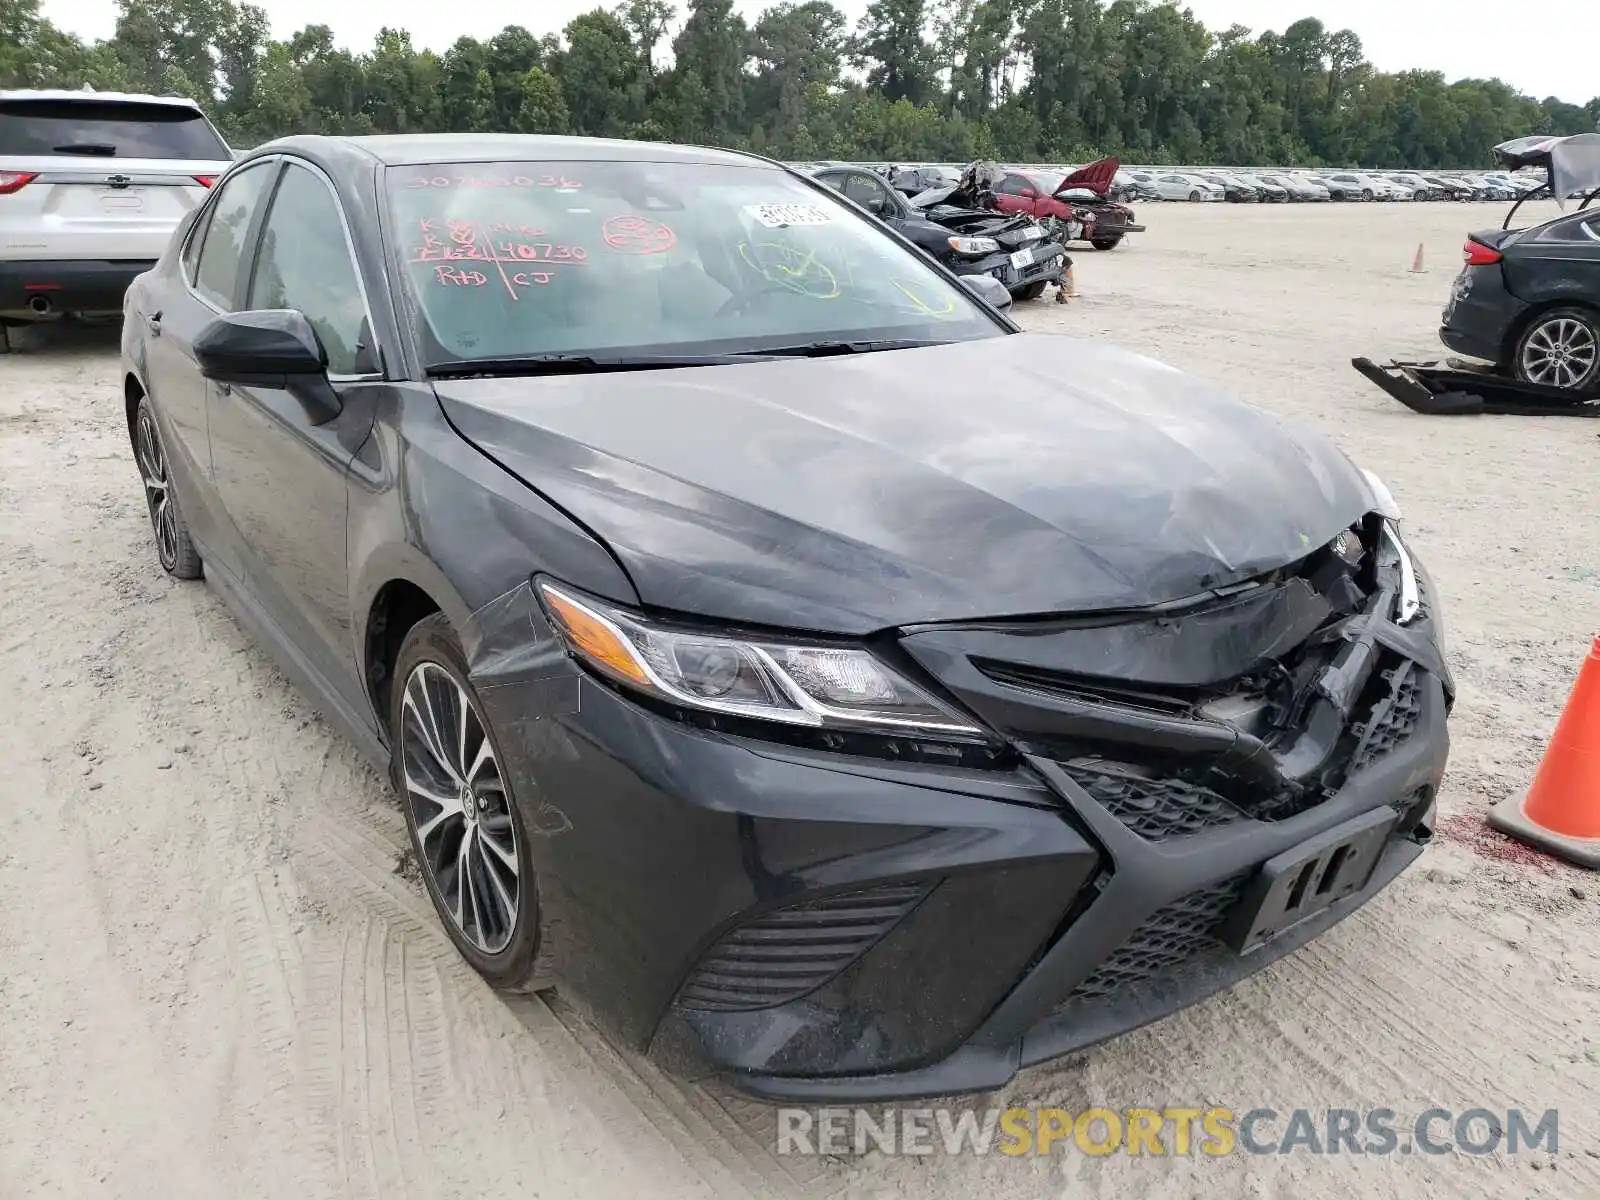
(1245, 187)
(1205, 184)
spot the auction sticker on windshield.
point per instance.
(777, 216)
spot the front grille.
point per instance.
(785, 953)
(1168, 938)
(1394, 722)
(1155, 809)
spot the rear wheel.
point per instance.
(466, 833)
(1561, 349)
(1029, 291)
(176, 551)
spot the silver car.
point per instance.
(1174, 185)
(92, 185)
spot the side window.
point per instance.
(836, 182)
(1014, 185)
(868, 193)
(217, 272)
(191, 248)
(305, 264)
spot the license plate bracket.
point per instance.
(1022, 259)
(1306, 879)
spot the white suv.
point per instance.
(92, 185)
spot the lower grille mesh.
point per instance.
(787, 952)
(1393, 724)
(1169, 937)
(1153, 808)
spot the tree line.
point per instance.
(938, 80)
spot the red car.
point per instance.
(1080, 202)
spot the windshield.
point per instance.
(107, 129)
(515, 259)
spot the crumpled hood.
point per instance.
(1023, 474)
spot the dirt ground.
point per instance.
(213, 983)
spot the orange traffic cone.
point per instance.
(1416, 263)
(1561, 812)
(1067, 289)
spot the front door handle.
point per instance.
(153, 323)
(224, 389)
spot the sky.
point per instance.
(1462, 38)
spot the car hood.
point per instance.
(1016, 475)
(1097, 177)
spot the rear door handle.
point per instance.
(153, 323)
(224, 389)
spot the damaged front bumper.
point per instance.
(828, 922)
(1458, 388)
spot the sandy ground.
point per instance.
(213, 983)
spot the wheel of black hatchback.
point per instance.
(1561, 349)
(469, 839)
(177, 553)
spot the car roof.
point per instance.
(89, 94)
(418, 149)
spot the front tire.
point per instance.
(1194, 197)
(174, 548)
(1561, 349)
(1029, 291)
(1106, 243)
(466, 833)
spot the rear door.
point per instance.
(209, 281)
(106, 179)
(282, 479)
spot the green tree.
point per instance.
(543, 109)
(597, 70)
(712, 48)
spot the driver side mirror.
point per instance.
(988, 289)
(269, 348)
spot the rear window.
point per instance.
(106, 129)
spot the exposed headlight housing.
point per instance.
(821, 687)
(974, 245)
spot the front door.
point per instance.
(282, 478)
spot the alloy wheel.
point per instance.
(157, 491)
(1560, 353)
(467, 838)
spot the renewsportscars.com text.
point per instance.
(1173, 1130)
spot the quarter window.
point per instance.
(304, 264)
(217, 275)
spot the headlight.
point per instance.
(1383, 500)
(797, 684)
(970, 245)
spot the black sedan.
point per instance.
(1528, 300)
(1015, 250)
(766, 642)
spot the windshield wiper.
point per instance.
(582, 364)
(826, 349)
(92, 149)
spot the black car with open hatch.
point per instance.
(825, 684)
